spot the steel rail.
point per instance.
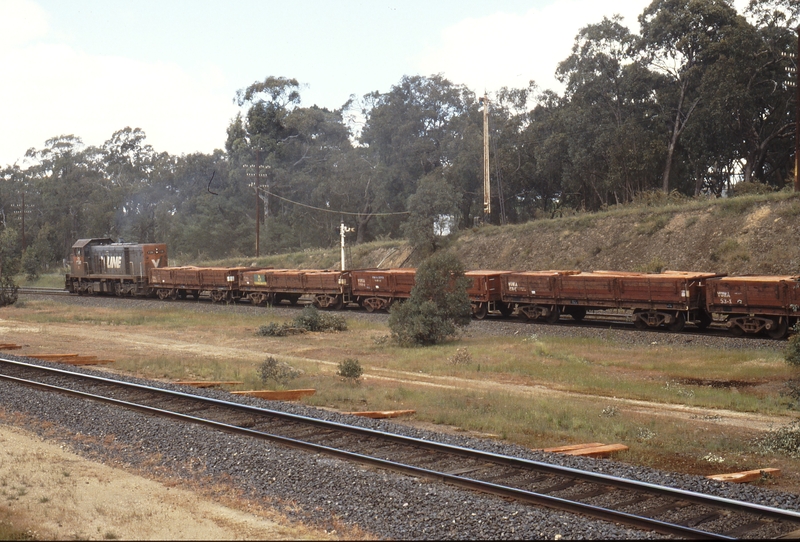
(420, 443)
(468, 483)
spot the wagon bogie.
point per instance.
(672, 320)
(534, 312)
(328, 301)
(374, 303)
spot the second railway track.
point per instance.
(646, 506)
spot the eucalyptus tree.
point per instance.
(764, 63)
(409, 132)
(682, 40)
(298, 149)
(607, 115)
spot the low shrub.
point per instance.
(792, 350)
(312, 319)
(350, 369)
(279, 371)
(309, 320)
(461, 357)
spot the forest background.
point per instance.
(701, 102)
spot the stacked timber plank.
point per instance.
(746, 476)
(381, 414)
(591, 449)
(208, 383)
(71, 359)
(279, 395)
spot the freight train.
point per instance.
(671, 299)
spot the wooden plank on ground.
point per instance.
(51, 357)
(598, 451)
(381, 414)
(208, 383)
(280, 395)
(9, 346)
(72, 359)
(571, 447)
(745, 476)
(87, 360)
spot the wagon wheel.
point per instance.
(703, 320)
(554, 316)
(182, 294)
(173, 294)
(338, 303)
(780, 329)
(163, 293)
(638, 321)
(577, 313)
(736, 331)
(481, 312)
(372, 304)
(216, 296)
(118, 289)
(523, 315)
(677, 325)
(505, 309)
(195, 294)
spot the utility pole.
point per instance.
(258, 199)
(797, 116)
(342, 230)
(487, 196)
(257, 186)
(23, 223)
(20, 208)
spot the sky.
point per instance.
(172, 67)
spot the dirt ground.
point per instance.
(57, 495)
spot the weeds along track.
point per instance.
(641, 505)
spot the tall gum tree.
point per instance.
(682, 38)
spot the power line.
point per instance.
(329, 210)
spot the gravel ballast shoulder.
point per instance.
(323, 491)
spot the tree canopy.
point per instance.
(701, 99)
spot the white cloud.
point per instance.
(53, 89)
(510, 50)
(20, 21)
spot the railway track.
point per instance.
(646, 506)
(42, 291)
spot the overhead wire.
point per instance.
(328, 210)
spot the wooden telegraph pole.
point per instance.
(797, 116)
(257, 184)
(487, 196)
(258, 199)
